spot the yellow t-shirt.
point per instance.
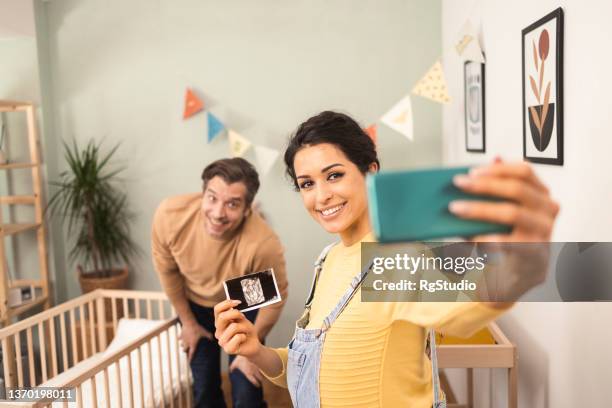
(374, 353)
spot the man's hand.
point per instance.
(250, 370)
(191, 334)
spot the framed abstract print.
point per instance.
(474, 82)
(543, 90)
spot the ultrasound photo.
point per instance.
(255, 290)
(252, 291)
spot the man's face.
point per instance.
(224, 207)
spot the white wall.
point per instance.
(563, 348)
(16, 18)
(117, 71)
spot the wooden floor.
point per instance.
(276, 397)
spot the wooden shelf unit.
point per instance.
(10, 166)
(36, 226)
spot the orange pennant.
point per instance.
(371, 131)
(193, 104)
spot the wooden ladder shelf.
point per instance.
(7, 314)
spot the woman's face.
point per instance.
(332, 187)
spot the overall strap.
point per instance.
(437, 403)
(318, 267)
(348, 295)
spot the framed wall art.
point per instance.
(543, 90)
(474, 83)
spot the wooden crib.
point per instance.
(70, 346)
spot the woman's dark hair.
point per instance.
(232, 171)
(335, 128)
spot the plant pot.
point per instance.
(541, 141)
(118, 279)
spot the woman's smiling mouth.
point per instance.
(330, 212)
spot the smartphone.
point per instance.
(413, 206)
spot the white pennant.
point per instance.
(265, 158)
(466, 35)
(238, 143)
(399, 117)
(473, 52)
(468, 45)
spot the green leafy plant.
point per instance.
(96, 210)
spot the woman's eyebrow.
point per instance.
(323, 170)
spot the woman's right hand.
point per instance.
(235, 333)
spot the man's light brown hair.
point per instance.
(231, 171)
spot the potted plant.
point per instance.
(97, 217)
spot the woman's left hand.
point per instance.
(527, 206)
(528, 209)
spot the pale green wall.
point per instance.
(19, 80)
(117, 70)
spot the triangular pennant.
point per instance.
(463, 42)
(214, 126)
(193, 104)
(468, 45)
(371, 131)
(433, 85)
(399, 117)
(265, 157)
(473, 52)
(238, 143)
(465, 36)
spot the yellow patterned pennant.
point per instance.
(433, 85)
(238, 144)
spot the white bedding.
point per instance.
(127, 331)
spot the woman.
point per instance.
(352, 353)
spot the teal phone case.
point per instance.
(413, 206)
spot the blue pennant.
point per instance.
(214, 126)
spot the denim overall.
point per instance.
(304, 351)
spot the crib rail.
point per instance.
(36, 350)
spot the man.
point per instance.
(199, 241)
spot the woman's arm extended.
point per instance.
(268, 361)
(237, 335)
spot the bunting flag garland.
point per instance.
(399, 117)
(193, 104)
(433, 85)
(238, 144)
(265, 157)
(371, 131)
(214, 126)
